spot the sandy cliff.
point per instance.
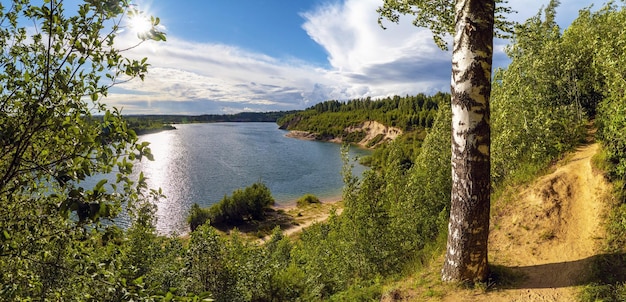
(375, 134)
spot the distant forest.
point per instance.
(331, 118)
(143, 124)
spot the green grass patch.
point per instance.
(307, 199)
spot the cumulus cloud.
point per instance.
(372, 61)
(364, 60)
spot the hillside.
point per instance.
(543, 239)
(371, 134)
(364, 121)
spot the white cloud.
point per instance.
(372, 61)
(188, 71)
(365, 60)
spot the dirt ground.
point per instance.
(548, 235)
(290, 218)
(545, 237)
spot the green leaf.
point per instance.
(168, 297)
(100, 184)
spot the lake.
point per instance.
(200, 163)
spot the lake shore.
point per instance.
(301, 217)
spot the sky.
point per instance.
(224, 57)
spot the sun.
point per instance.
(140, 24)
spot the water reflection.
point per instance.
(200, 163)
(161, 173)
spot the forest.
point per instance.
(330, 118)
(58, 242)
(143, 124)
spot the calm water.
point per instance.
(200, 163)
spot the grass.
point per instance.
(307, 199)
(507, 190)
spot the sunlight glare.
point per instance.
(140, 24)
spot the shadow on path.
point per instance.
(602, 269)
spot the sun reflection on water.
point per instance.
(160, 173)
(202, 163)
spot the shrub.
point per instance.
(307, 199)
(247, 204)
(197, 216)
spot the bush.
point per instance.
(307, 199)
(197, 216)
(354, 137)
(247, 204)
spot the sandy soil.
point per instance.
(298, 218)
(548, 235)
(372, 130)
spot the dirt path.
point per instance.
(549, 234)
(294, 219)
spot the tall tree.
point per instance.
(468, 228)
(471, 23)
(52, 69)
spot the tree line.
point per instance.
(143, 124)
(55, 244)
(329, 119)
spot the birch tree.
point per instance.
(471, 23)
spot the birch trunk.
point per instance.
(468, 227)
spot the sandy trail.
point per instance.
(549, 234)
(301, 218)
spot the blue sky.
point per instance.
(266, 55)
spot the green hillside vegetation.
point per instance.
(395, 215)
(330, 119)
(414, 115)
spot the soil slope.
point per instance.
(549, 234)
(543, 240)
(372, 129)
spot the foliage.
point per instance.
(53, 63)
(198, 216)
(307, 199)
(438, 16)
(207, 268)
(536, 113)
(407, 146)
(389, 216)
(611, 62)
(331, 118)
(604, 30)
(244, 205)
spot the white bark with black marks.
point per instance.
(468, 227)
